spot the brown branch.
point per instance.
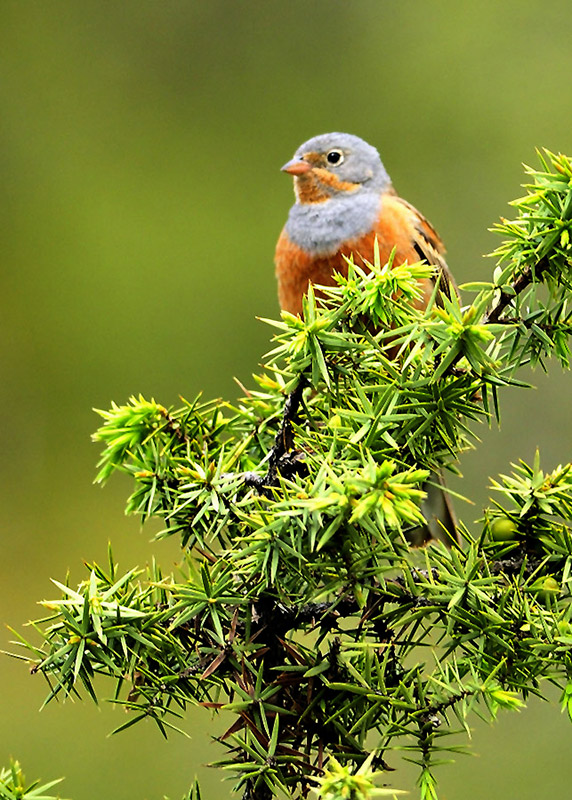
(526, 277)
(174, 426)
(279, 459)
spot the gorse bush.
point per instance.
(301, 613)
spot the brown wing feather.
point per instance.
(428, 245)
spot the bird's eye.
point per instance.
(335, 157)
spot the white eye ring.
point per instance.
(335, 157)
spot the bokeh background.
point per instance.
(140, 146)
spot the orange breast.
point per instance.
(295, 268)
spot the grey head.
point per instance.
(339, 181)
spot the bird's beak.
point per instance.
(297, 167)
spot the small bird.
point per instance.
(344, 202)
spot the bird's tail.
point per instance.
(440, 522)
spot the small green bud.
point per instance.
(550, 585)
(504, 529)
(550, 589)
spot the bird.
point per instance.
(344, 202)
(346, 206)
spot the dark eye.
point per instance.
(335, 157)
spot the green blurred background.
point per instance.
(140, 146)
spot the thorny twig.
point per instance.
(526, 277)
(279, 459)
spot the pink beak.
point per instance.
(297, 167)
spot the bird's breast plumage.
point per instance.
(320, 229)
(395, 224)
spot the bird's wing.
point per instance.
(427, 243)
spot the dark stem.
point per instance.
(279, 459)
(175, 426)
(524, 280)
(256, 791)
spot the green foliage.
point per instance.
(13, 785)
(194, 792)
(538, 250)
(300, 611)
(340, 783)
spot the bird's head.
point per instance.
(334, 165)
